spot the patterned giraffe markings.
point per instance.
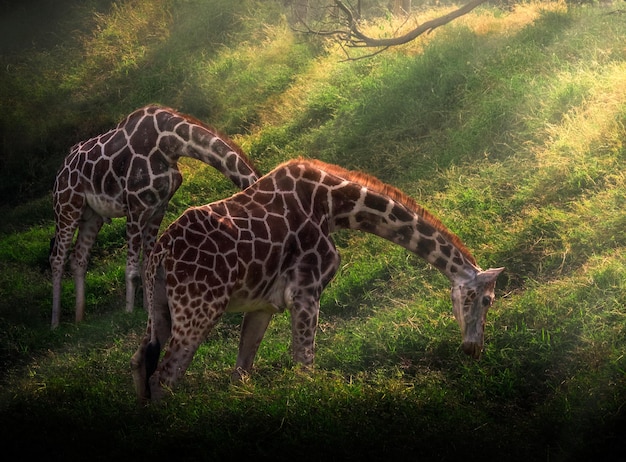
(268, 249)
(130, 171)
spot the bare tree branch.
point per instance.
(351, 35)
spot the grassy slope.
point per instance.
(509, 126)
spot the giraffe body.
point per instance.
(268, 249)
(130, 171)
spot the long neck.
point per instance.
(181, 135)
(221, 153)
(357, 207)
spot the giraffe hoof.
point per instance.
(239, 376)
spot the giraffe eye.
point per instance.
(486, 300)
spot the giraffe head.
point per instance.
(471, 300)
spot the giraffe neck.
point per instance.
(358, 201)
(181, 135)
(411, 229)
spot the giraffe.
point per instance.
(130, 171)
(269, 248)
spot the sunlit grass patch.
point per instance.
(120, 43)
(246, 78)
(588, 140)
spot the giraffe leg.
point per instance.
(145, 360)
(59, 249)
(138, 366)
(304, 316)
(183, 344)
(57, 276)
(253, 328)
(67, 214)
(177, 358)
(134, 238)
(149, 237)
(88, 229)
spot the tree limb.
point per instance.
(352, 36)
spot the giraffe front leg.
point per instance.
(134, 239)
(304, 317)
(57, 275)
(253, 329)
(149, 237)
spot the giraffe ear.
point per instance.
(491, 274)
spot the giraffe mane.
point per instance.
(394, 193)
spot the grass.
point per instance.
(507, 124)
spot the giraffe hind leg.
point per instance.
(59, 248)
(138, 368)
(182, 346)
(143, 364)
(88, 229)
(152, 354)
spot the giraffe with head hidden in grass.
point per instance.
(269, 248)
(130, 171)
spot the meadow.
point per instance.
(508, 124)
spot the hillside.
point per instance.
(507, 124)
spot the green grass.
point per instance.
(508, 125)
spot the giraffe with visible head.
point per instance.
(130, 171)
(269, 248)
